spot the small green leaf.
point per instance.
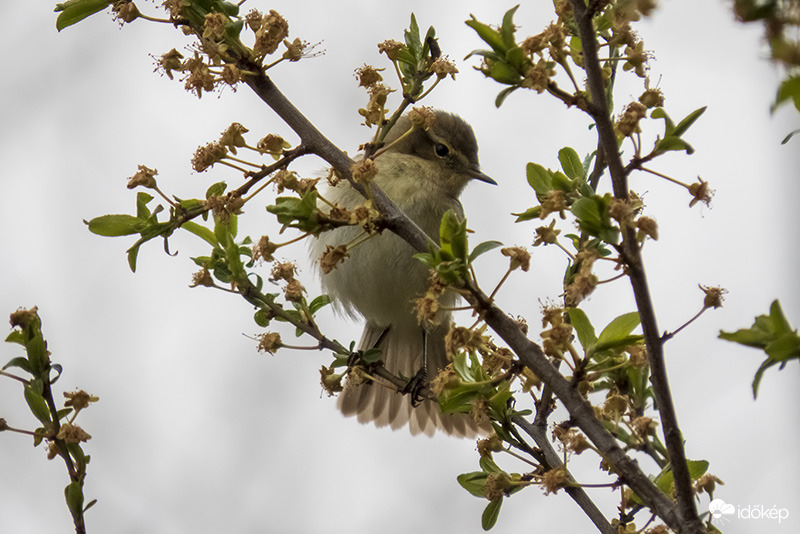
(771, 333)
(37, 405)
(133, 252)
(473, 482)
(74, 11)
(116, 225)
(228, 8)
(262, 317)
(502, 72)
(618, 331)
(766, 364)
(37, 353)
(527, 215)
(660, 113)
(16, 336)
(20, 362)
(413, 41)
(489, 35)
(453, 236)
(142, 199)
(459, 399)
(666, 478)
(318, 303)
(583, 327)
(571, 163)
(489, 466)
(539, 178)
(687, 122)
(200, 231)
(483, 248)
(491, 513)
(216, 189)
(502, 95)
(673, 143)
(508, 28)
(74, 496)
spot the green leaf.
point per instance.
(660, 113)
(789, 89)
(766, 364)
(588, 212)
(539, 178)
(491, 513)
(673, 143)
(502, 95)
(228, 8)
(200, 231)
(412, 38)
(300, 213)
(483, 248)
(142, 199)
(16, 336)
(502, 72)
(133, 252)
(527, 215)
(583, 327)
(489, 35)
(216, 189)
(20, 362)
(262, 317)
(666, 478)
(571, 163)
(617, 333)
(74, 11)
(489, 466)
(116, 225)
(318, 303)
(37, 405)
(771, 333)
(74, 496)
(473, 482)
(37, 353)
(690, 119)
(593, 218)
(459, 398)
(507, 29)
(453, 236)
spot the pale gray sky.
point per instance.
(196, 432)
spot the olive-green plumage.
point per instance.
(423, 173)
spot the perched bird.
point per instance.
(423, 173)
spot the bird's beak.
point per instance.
(475, 174)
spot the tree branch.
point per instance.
(632, 255)
(581, 498)
(529, 353)
(316, 143)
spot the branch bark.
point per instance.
(529, 353)
(539, 434)
(673, 439)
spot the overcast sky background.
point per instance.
(197, 432)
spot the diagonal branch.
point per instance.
(539, 434)
(529, 353)
(316, 143)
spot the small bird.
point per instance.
(423, 173)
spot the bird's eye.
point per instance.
(441, 150)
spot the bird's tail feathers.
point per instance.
(402, 350)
